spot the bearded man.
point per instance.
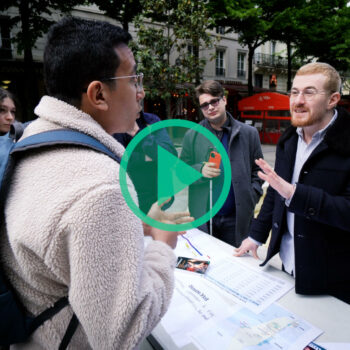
(307, 205)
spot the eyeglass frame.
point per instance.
(213, 102)
(138, 84)
(310, 96)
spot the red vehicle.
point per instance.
(268, 112)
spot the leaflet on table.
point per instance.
(195, 244)
(273, 329)
(314, 346)
(194, 303)
(253, 288)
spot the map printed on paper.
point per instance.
(273, 329)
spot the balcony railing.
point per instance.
(262, 59)
(265, 60)
(220, 72)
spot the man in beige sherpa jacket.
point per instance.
(68, 229)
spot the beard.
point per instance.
(302, 122)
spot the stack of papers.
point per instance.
(233, 306)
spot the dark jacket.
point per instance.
(142, 171)
(244, 147)
(321, 204)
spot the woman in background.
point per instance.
(7, 111)
(7, 118)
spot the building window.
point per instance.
(220, 63)
(241, 65)
(5, 39)
(273, 48)
(220, 30)
(258, 80)
(273, 52)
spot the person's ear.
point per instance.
(97, 95)
(333, 100)
(224, 99)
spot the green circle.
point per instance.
(183, 124)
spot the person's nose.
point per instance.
(9, 116)
(140, 94)
(210, 107)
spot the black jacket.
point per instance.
(321, 205)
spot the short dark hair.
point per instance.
(77, 52)
(210, 87)
(5, 93)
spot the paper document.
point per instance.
(252, 288)
(195, 302)
(273, 329)
(199, 245)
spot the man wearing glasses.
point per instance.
(242, 144)
(69, 231)
(307, 205)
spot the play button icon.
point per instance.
(171, 170)
(152, 171)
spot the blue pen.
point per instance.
(189, 242)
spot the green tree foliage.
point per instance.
(33, 18)
(311, 29)
(123, 11)
(341, 49)
(327, 32)
(169, 29)
(286, 26)
(250, 19)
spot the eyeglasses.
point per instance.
(138, 78)
(308, 94)
(214, 103)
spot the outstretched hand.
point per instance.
(158, 214)
(284, 188)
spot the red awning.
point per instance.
(265, 101)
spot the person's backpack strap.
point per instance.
(47, 314)
(47, 139)
(63, 137)
(73, 324)
(50, 312)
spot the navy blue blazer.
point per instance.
(321, 204)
